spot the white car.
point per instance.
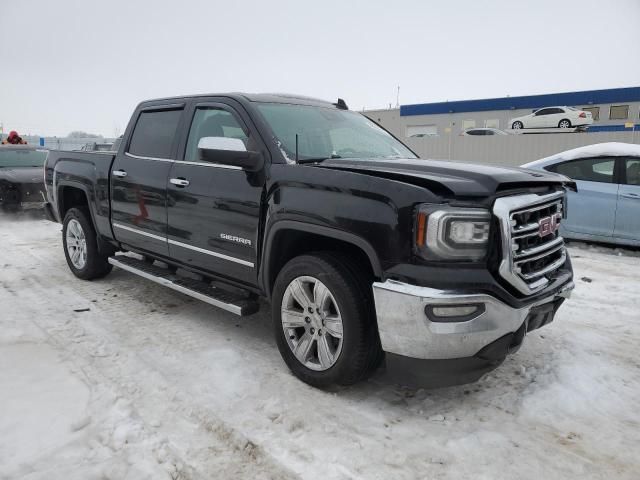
(553, 117)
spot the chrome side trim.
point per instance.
(204, 164)
(140, 157)
(184, 162)
(139, 232)
(229, 307)
(213, 254)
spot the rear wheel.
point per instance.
(517, 125)
(323, 320)
(81, 247)
(564, 123)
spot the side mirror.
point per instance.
(229, 151)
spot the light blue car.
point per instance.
(606, 207)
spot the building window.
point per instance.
(418, 131)
(595, 112)
(492, 123)
(467, 124)
(619, 112)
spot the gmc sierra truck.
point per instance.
(364, 251)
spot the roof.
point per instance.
(587, 97)
(252, 97)
(609, 149)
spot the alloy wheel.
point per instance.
(312, 323)
(76, 244)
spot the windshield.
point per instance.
(22, 158)
(329, 133)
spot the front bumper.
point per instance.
(406, 329)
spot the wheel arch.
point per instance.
(287, 239)
(73, 194)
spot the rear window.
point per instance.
(22, 158)
(154, 133)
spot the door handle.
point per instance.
(631, 195)
(119, 173)
(180, 182)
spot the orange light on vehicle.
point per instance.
(421, 229)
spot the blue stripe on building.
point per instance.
(613, 128)
(612, 95)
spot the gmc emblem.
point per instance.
(548, 225)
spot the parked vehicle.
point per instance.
(361, 247)
(552, 117)
(98, 147)
(483, 131)
(606, 207)
(21, 180)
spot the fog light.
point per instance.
(453, 313)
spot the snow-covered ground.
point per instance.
(123, 379)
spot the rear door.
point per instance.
(628, 216)
(592, 209)
(139, 179)
(214, 209)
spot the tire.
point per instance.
(564, 123)
(357, 353)
(90, 264)
(517, 125)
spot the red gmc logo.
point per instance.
(548, 225)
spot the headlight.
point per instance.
(452, 233)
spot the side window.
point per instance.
(212, 122)
(588, 169)
(632, 168)
(154, 133)
(543, 111)
(556, 110)
(618, 112)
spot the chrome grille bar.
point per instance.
(531, 252)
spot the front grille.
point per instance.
(533, 249)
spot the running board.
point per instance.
(234, 303)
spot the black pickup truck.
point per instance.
(364, 251)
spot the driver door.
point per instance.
(213, 210)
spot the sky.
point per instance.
(83, 65)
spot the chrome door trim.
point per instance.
(139, 232)
(140, 157)
(209, 252)
(204, 164)
(184, 162)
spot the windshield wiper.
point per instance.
(317, 160)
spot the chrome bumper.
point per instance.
(405, 329)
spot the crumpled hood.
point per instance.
(22, 174)
(461, 179)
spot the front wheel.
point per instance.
(517, 125)
(81, 246)
(323, 320)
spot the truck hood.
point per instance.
(459, 179)
(22, 174)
